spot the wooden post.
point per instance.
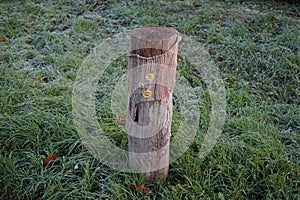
(151, 79)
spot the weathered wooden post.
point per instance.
(151, 79)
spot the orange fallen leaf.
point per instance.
(146, 190)
(140, 188)
(49, 159)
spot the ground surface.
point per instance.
(255, 45)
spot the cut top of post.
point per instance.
(153, 37)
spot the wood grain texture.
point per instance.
(153, 52)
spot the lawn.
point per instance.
(254, 44)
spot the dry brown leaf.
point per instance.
(140, 188)
(49, 159)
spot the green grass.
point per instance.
(255, 44)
